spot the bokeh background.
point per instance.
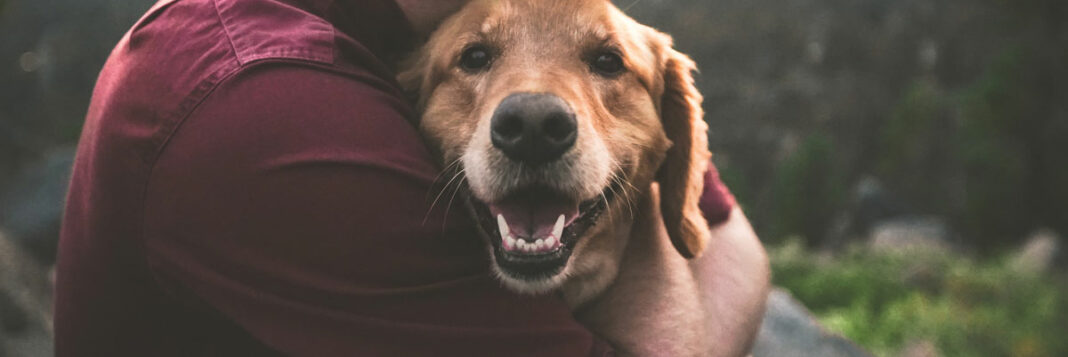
(904, 162)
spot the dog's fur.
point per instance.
(640, 126)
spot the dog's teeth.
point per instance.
(539, 244)
(558, 229)
(550, 241)
(502, 225)
(510, 242)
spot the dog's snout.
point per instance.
(533, 128)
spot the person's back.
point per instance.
(249, 182)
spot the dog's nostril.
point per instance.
(559, 127)
(509, 127)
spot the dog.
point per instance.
(557, 116)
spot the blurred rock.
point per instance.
(25, 304)
(910, 234)
(922, 348)
(1038, 253)
(868, 205)
(32, 207)
(790, 330)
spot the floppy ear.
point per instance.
(681, 175)
(413, 76)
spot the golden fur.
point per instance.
(641, 126)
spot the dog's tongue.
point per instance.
(532, 216)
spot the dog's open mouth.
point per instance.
(534, 230)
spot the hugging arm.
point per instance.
(664, 304)
(736, 275)
(735, 270)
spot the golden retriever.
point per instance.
(557, 116)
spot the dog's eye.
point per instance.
(475, 58)
(607, 63)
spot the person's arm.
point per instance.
(738, 279)
(295, 202)
(664, 304)
(737, 270)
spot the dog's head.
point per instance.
(559, 114)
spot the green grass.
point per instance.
(884, 301)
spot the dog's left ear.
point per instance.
(681, 175)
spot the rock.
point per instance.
(1038, 253)
(790, 330)
(910, 235)
(868, 205)
(920, 348)
(32, 207)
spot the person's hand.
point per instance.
(732, 273)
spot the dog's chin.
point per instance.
(530, 249)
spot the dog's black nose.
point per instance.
(533, 128)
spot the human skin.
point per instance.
(733, 276)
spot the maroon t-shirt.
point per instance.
(250, 182)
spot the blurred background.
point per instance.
(904, 162)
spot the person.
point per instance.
(250, 181)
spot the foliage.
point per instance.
(805, 191)
(1007, 152)
(987, 155)
(957, 108)
(914, 157)
(886, 300)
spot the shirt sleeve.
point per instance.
(716, 201)
(298, 203)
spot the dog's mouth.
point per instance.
(534, 230)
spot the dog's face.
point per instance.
(559, 114)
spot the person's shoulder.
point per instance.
(260, 30)
(206, 33)
(299, 113)
(180, 51)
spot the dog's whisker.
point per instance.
(629, 194)
(444, 171)
(618, 180)
(440, 193)
(437, 179)
(605, 199)
(626, 194)
(448, 205)
(629, 190)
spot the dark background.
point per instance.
(956, 108)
